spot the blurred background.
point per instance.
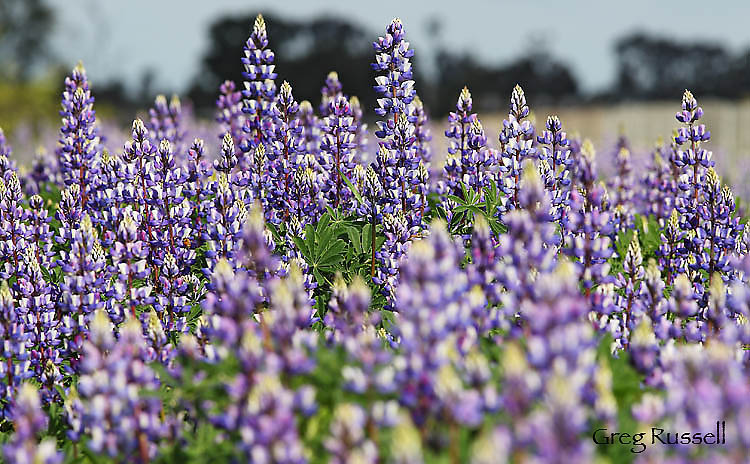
(603, 67)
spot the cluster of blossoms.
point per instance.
(284, 299)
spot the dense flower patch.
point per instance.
(314, 291)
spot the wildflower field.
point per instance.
(319, 291)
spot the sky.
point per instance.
(122, 39)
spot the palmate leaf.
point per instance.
(322, 248)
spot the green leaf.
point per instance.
(367, 238)
(351, 186)
(355, 238)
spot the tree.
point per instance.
(24, 31)
(305, 53)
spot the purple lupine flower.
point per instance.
(337, 150)
(13, 228)
(69, 212)
(36, 301)
(555, 154)
(629, 282)
(165, 122)
(393, 58)
(459, 123)
(15, 366)
(171, 212)
(658, 196)
(368, 369)
(171, 303)
(196, 188)
(671, 256)
(103, 406)
(30, 422)
(224, 220)
(705, 391)
(79, 149)
(477, 159)
(44, 171)
(107, 195)
(360, 135)
(397, 235)
(396, 90)
(286, 145)
(302, 200)
(559, 346)
(530, 245)
(256, 250)
(589, 227)
(129, 252)
(348, 441)
(719, 229)
(5, 149)
(403, 175)
(516, 145)
(256, 175)
(138, 176)
(622, 190)
(431, 384)
(485, 256)
(260, 89)
(693, 161)
(330, 93)
(229, 113)
(310, 128)
(694, 158)
(262, 408)
(682, 304)
(81, 289)
(347, 309)
(421, 131)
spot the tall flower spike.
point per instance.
(622, 190)
(429, 360)
(260, 88)
(165, 119)
(459, 124)
(693, 162)
(15, 366)
(330, 92)
(79, 149)
(287, 146)
(516, 145)
(310, 128)
(227, 159)
(30, 422)
(229, 113)
(337, 153)
(397, 130)
(422, 131)
(588, 229)
(360, 135)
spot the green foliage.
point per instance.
(322, 248)
(649, 238)
(338, 244)
(471, 204)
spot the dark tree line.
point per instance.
(307, 51)
(648, 66)
(652, 67)
(24, 32)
